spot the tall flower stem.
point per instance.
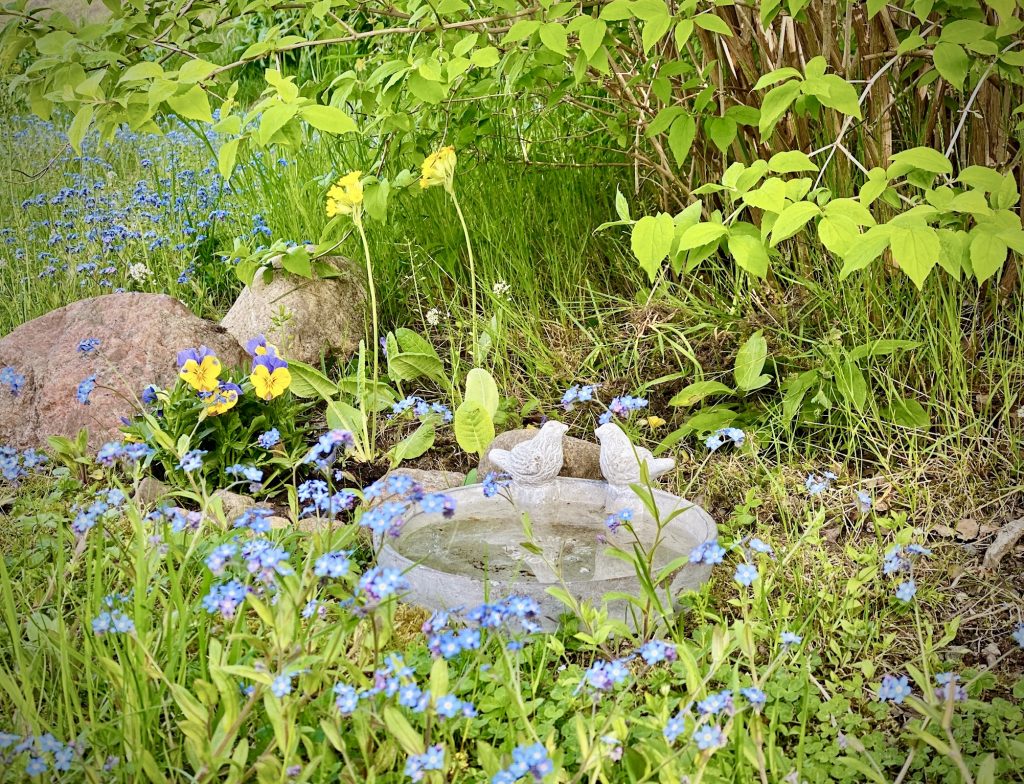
(358, 220)
(472, 272)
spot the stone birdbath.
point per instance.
(478, 554)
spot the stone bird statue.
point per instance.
(533, 463)
(620, 464)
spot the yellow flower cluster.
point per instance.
(200, 369)
(439, 168)
(345, 197)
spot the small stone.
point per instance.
(277, 522)
(432, 481)
(581, 459)
(304, 318)
(233, 503)
(150, 491)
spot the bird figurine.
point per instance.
(533, 463)
(620, 465)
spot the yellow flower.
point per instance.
(223, 399)
(200, 374)
(654, 422)
(270, 379)
(346, 196)
(439, 168)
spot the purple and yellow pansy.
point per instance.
(270, 376)
(222, 399)
(199, 367)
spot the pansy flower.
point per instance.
(199, 368)
(223, 399)
(259, 347)
(270, 376)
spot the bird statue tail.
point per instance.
(659, 466)
(501, 458)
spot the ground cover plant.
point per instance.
(779, 242)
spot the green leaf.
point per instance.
(873, 243)
(838, 233)
(722, 131)
(481, 387)
(592, 32)
(750, 362)
(681, 136)
(701, 234)
(226, 156)
(192, 105)
(553, 36)
(775, 104)
(474, 428)
(401, 730)
(486, 57)
(713, 24)
(80, 126)
(988, 253)
(750, 254)
(415, 444)
(329, 119)
(274, 119)
(771, 196)
(792, 219)
(521, 30)
(791, 161)
(915, 248)
(852, 385)
(951, 62)
(924, 158)
(652, 240)
(308, 382)
(697, 391)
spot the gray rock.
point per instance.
(581, 459)
(324, 315)
(233, 503)
(150, 491)
(140, 336)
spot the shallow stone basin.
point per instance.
(478, 554)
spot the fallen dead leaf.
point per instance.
(1005, 540)
(967, 529)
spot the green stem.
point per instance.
(472, 272)
(358, 220)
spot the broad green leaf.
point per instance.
(681, 136)
(414, 445)
(791, 161)
(329, 119)
(192, 105)
(701, 234)
(713, 24)
(750, 362)
(771, 196)
(474, 429)
(140, 71)
(749, 253)
(721, 131)
(866, 250)
(226, 156)
(951, 62)
(988, 253)
(521, 30)
(652, 240)
(308, 382)
(915, 249)
(792, 219)
(776, 76)
(481, 387)
(775, 104)
(79, 127)
(696, 392)
(553, 36)
(838, 233)
(486, 57)
(852, 385)
(274, 119)
(924, 158)
(401, 730)
(195, 71)
(591, 33)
